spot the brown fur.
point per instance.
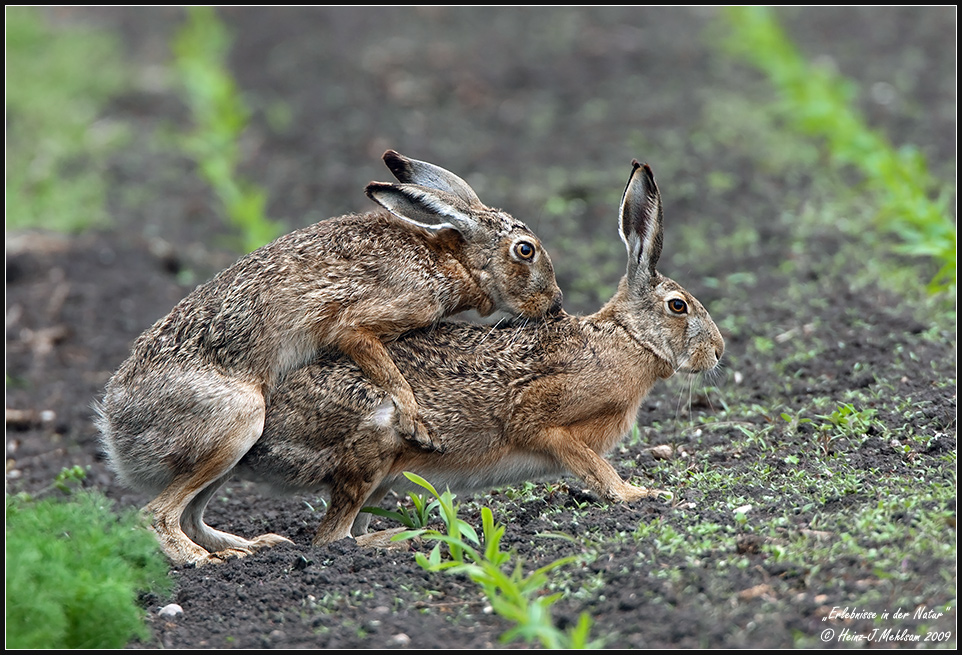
(190, 400)
(514, 403)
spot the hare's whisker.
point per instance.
(680, 399)
(492, 329)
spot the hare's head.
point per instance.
(506, 259)
(665, 317)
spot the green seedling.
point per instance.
(457, 529)
(794, 421)
(513, 595)
(415, 519)
(845, 421)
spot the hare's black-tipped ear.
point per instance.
(641, 221)
(412, 171)
(429, 208)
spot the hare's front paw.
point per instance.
(631, 493)
(414, 431)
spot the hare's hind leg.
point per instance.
(360, 478)
(368, 352)
(381, 538)
(234, 423)
(216, 541)
(363, 519)
(343, 518)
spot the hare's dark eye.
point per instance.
(524, 249)
(677, 306)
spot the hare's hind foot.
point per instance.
(222, 542)
(198, 557)
(216, 541)
(344, 518)
(383, 539)
(180, 550)
(251, 546)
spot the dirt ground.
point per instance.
(504, 98)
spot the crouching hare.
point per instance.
(190, 400)
(514, 403)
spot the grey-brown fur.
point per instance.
(190, 400)
(514, 403)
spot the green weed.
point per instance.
(513, 595)
(845, 421)
(417, 518)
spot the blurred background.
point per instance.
(191, 126)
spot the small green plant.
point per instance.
(75, 569)
(415, 519)
(846, 421)
(457, 528)
(794, 421)
(513, 595)
(69, 477)
(220, 117)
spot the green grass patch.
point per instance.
(74, 571)
(795, 507)
(817, 102)
(58, 81)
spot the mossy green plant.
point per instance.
(75, 569)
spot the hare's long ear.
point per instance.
(641, 222)
(412, 171)
(429, 208)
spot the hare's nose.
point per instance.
(556, 305)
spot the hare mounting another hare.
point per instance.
(190, 400)
(513, 403)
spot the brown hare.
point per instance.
(190, 400)
(513, 403)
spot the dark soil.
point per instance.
(463, 88)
